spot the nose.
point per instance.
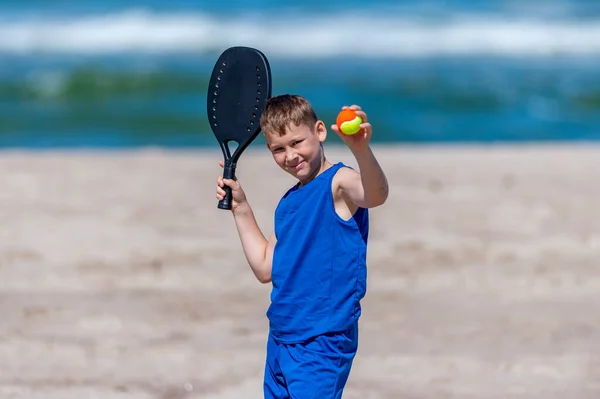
(290, 156)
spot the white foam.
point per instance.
(306, 36)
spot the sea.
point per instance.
(129, 74)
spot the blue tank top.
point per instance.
(319, 263)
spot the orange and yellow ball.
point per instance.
(348, 122)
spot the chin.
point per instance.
(306, 173)
(296, 173)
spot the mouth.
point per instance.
(297, 166)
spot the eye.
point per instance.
(295, 143)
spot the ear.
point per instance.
(321, 131)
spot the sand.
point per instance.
(120, 279)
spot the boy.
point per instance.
(316, 255)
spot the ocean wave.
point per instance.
(304, 36)
(116, 106)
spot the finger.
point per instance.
(220, 181)
(362, 115)
(221, 163)
(335, 128)
(365, 126)
(220, 191)
(355, 107)
(230, 183)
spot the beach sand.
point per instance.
(120, 279)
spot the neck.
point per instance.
(323, 166)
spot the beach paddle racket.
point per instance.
(239, 86)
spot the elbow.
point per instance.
(375, 203)
(383, 195)
(378, 200)
(263, 276)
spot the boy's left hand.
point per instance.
(360, 140)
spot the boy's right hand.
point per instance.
(238, 197)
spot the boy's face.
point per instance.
(299, 151)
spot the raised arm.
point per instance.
(369, 187)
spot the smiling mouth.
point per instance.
(297, 166)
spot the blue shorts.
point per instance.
(317, 368)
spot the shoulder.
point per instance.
(289, 191)
(342, 184)
(343, 177)
(282, 200)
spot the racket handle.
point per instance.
(228, 173)
(225, 203)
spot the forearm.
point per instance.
(253, 242)
(373, 179)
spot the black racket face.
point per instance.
(239, 86)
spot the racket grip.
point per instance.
(225, 203)
(228, 173)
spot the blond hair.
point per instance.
(286, 110)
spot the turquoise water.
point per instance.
(104, 74)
